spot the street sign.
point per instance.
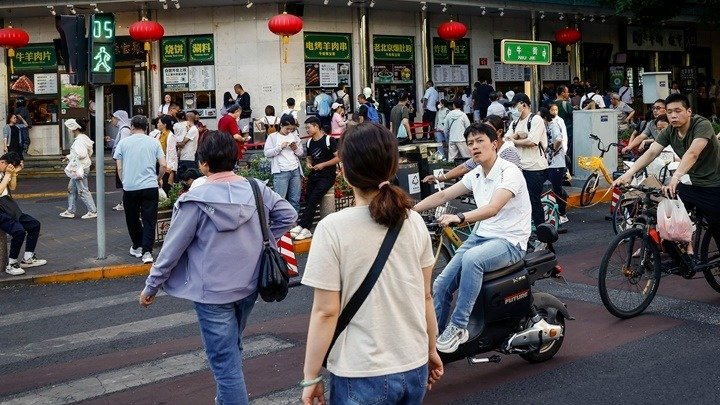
(101, 58)
(519, 52)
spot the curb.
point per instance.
(600, 196)
(72, 276)
(26, 196)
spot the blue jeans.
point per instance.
(80, 187)
(288, 185)
(221, 327)
(406, 387)
(464, 273)
(441, 138)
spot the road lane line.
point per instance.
(69, 308)
(105, 335)
(141, 374)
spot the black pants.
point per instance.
(316, 188)
(557, 176)
(535, 180)
(325, 121)
(706, 200)
(141, 204)
(17, 229)
(429, 116)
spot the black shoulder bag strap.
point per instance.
(363, 291)
(261, 210)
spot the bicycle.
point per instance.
(628, 285)
(445, 240)
(594, 164)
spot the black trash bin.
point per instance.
(408, 178)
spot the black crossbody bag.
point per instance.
(366, 286)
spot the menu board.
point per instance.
(394, 74)
(327, 74)
(201, 77)
(509, 73)
(451, 74)
(175, 78)
(46, 83)
(556, 71)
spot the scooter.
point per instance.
(517, 320)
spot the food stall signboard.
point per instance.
(319, 46)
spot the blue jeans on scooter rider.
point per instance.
(498, 240)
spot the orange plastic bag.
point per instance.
(673, 221)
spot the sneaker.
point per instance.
(295, 231)
(14, 269)
(119, 207)
(147, 257)
(136, 252)
(67, 214)
(563, 219)
(32, 262)
(452, 337)
(89, 215)
(304, 234)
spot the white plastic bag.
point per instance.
(74, 169)
(673, 221)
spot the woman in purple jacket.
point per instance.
(210, 256)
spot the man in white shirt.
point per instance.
(529, 135)
(594, 96)
(290, 108)
(498, 240)
(188, 145)
(626, 93)
(496, 108)
(429, 104)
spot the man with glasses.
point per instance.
(650, 131)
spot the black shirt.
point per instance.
(244, 103)
(363, 111)
(320, 152)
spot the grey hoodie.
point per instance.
(211, 252)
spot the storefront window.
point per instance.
(328, 63)
(394, 71)
(188, 72)
(35, 83)
(451, 76)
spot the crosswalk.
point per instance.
(121, 366)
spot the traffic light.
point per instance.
(101, 48)
(73, 46)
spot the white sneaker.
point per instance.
(119, 207)
(147, 257)
(67, 214)
(295, 231)
(304, 234)
(14, 269)
(32, 262)
(136, 252)
(89, 215)
(452, 337)
(563, 219)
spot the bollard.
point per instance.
(327, 206)
(3, 250)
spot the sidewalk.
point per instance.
(70, 247)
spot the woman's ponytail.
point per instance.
(390, 205)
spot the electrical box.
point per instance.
(656, 85)
(603, 124)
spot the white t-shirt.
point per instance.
(556, 133)
(179, 129)
(388, 334)
(294, 113)
(532, 158)
(496, 108)
(599, 102)
(626, 94)
(513, 220)
(468, 104)
(188, 151)
(431, 95)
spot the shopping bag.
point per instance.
(673, 221)
(74, 169)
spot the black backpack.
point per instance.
(588, 100)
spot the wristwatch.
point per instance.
(461, 216)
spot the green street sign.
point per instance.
(519, 52)
(102, 48)
(386, 47)
(201, 49)
(334, 47)
(174, 50)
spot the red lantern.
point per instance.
(568, 36)
(452, 31)
(146, 31)
(13, 38)
(285, 25)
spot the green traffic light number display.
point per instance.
(102, 57)
(103, 30)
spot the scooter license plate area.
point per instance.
(507, 297)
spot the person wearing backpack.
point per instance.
(341, 97)
(592, 100)
(529, 135)
(269, 123)
(367, 111)
(322, 103)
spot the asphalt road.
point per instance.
(91, 343)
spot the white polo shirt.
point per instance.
(513, 220)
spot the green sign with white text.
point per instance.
(519, 52)
(386, 47)
(334, 47)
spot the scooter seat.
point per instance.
(513, 268)
(541, 256)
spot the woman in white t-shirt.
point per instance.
(269, 123)
(284, 149)
(387, 351)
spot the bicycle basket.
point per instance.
(590, 163)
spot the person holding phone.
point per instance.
(284, 149)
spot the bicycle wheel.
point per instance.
(629, 274)
(589, 189)
(709, 252)
(624, 215)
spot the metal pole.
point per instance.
(100, 168)
(365, 74)
(534, 77)
(424, 49)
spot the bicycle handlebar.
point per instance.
(642, 188)
(599, 143)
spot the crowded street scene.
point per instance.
(362, 202)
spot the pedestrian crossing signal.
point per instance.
(101, 58)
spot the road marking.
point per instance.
(141, 374)
(73, 307)
(685, 310)
(105, 335)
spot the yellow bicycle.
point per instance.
(595, 165)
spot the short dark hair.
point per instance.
(678, 98)
(545, 114)
(444, 103)
(362, 96)
(287, 119)
(139, 122)
(660, 101)
(561, 89)
(480, 128)
(430, 82)
(180, 115)
(495, 96)
(290, 102)
(191, 173)
(313, 120)
(402, 96)
(167, 122)
(662, 118)
(12, 158)
(496, 121)
(238, 86)
(232, 108)
(218, 151)
(458, 103)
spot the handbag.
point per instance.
(366, 286)
(402, 132)
(273, 278)
(74, 169)
(9, 207)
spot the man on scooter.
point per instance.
(498, 240)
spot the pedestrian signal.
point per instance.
(101, 55)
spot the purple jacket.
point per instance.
(212, 250)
